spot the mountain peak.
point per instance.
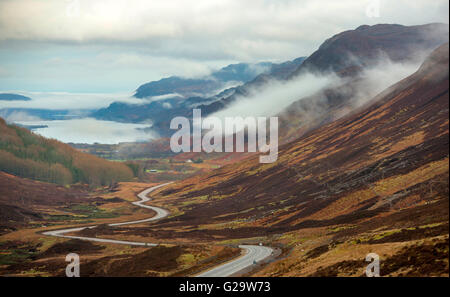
(365, 44)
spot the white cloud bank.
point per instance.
(91, 131)
(69, 101)
(275, 96)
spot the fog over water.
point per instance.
(91, 131)
(79, 130)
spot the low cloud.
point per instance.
(381, 76)
(18, 116)
(69, 101)
(162, 97)
(91, 131)
(275, 96)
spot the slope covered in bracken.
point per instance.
(384, 166)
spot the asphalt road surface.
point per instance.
(253, 254)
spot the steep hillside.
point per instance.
(26, 154)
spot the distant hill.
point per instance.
(13, 97)
(188, 87)
(26, 154)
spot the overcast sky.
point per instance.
(114, 46)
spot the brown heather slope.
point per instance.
(23, 201)
(389, 156)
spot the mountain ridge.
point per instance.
(190, 87)
(362, 46)
(161, 110)
(13, 97)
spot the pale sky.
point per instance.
(102, 46)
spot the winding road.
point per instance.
(160, 213)
(253, 253)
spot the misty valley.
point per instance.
(299, 140)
